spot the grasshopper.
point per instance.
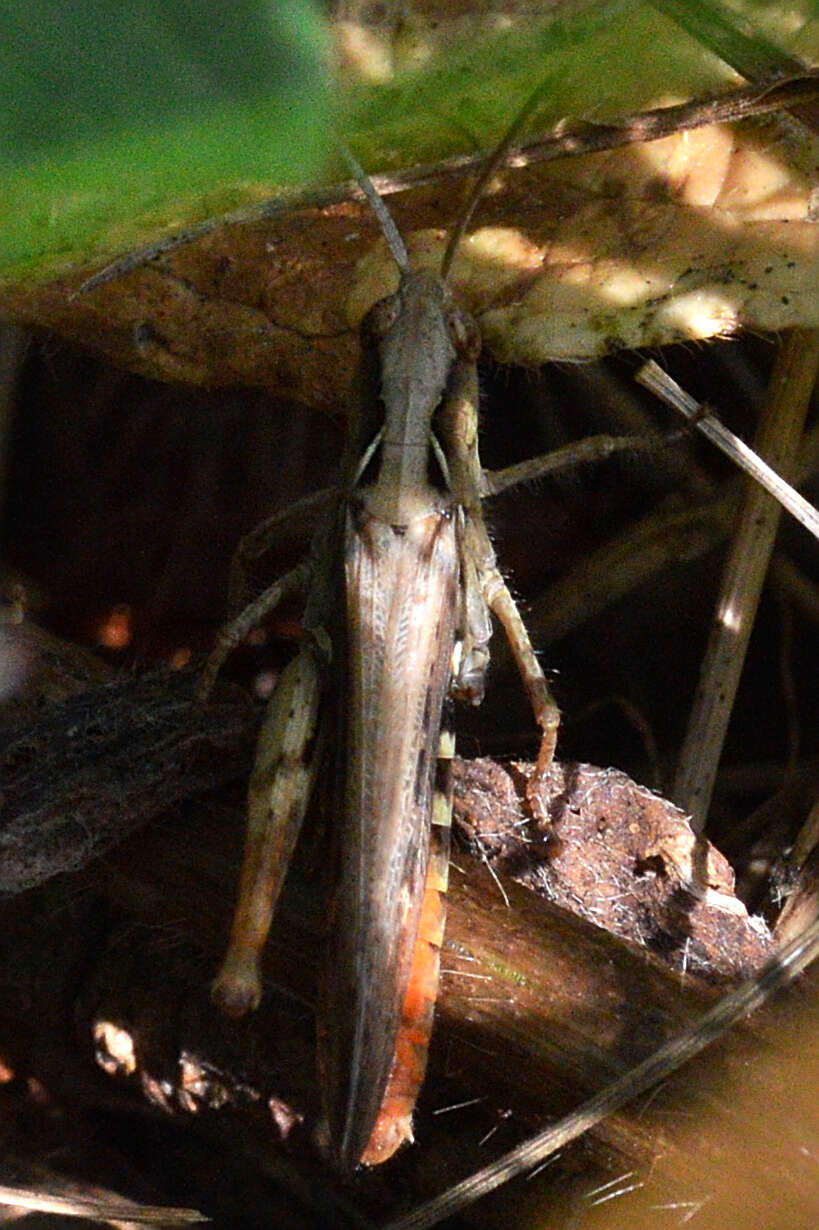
(405, 541)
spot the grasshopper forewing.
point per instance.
(402, 571)
(420, 577)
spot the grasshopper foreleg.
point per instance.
(544, 706)
(482, 586)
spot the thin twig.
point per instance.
(738, 42)
(652, 377)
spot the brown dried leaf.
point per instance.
(689, 237)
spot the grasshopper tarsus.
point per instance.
(546, 752)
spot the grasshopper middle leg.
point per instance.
(233, 633)
(483, 587)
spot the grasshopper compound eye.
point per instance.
(464, 333)
(380, 319)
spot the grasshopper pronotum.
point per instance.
(406, 539)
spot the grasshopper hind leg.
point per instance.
(284, 773)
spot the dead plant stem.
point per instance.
(777, 441)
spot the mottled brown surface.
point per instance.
(621, 857)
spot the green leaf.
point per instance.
(456, 85)
(120, 120)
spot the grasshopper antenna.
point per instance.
(495, 159)
(385, 219)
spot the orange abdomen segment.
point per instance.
(394, 1123)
